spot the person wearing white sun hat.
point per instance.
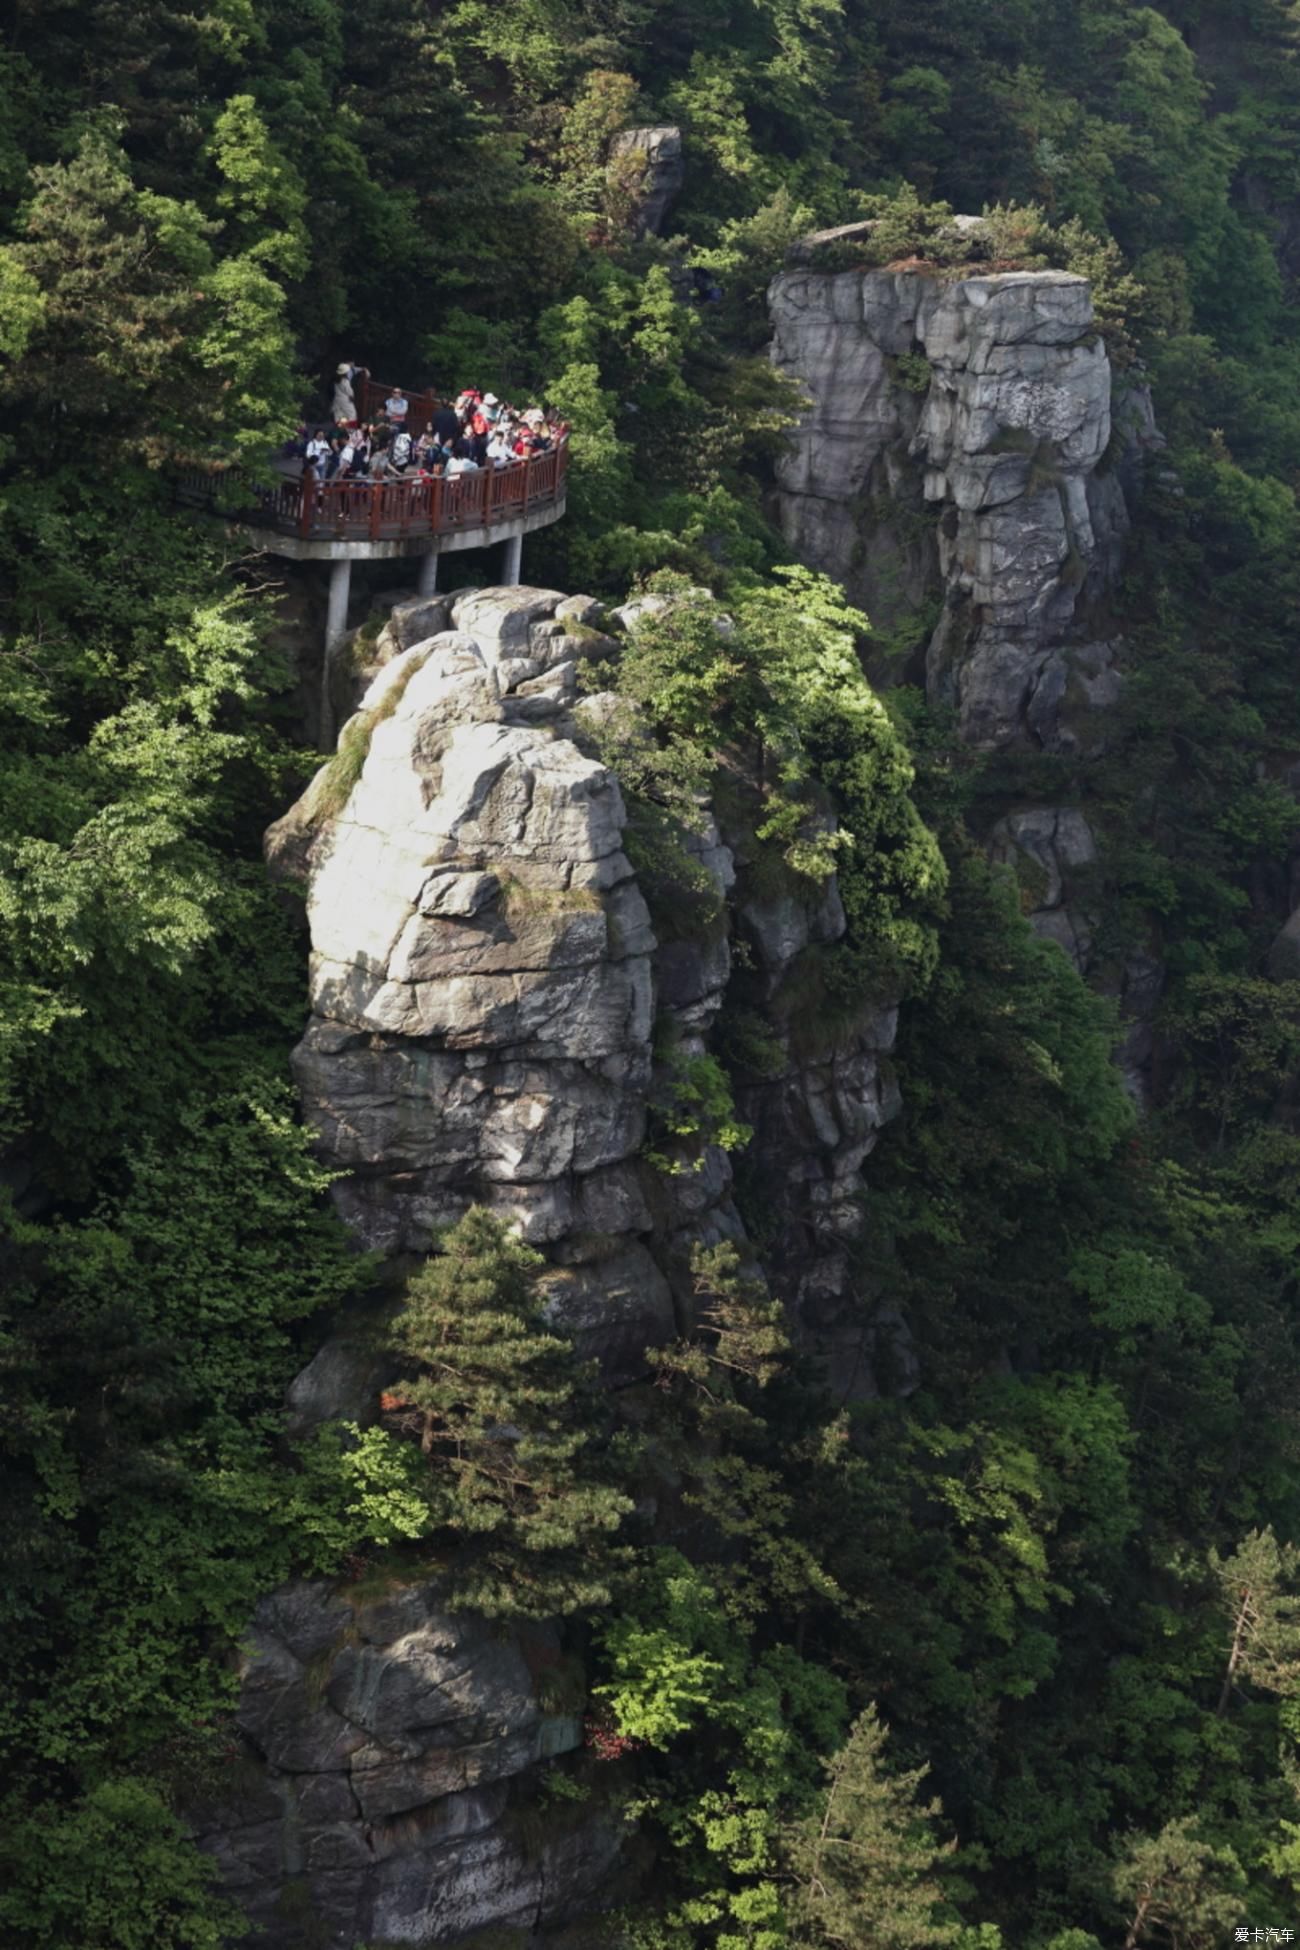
(344, 406)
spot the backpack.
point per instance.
(400, 452)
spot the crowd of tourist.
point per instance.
(477, 431)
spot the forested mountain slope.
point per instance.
(1049, 1554)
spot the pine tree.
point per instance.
(1264, 1647)
(712, 1426)
(866, 1864)
(740, 1338)
(1177, 1890)
(499, 1404)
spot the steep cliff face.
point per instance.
(964, 448)
(495, 1015)
(481, 976)
(488, 992)
(966, 467)
(490, 1012)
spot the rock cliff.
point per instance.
(490, 1011)
(966, 467)
(488, 991)
(392, 1752)
(964, 452)
(481, 985)
(652, 164)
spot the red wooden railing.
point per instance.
(388, 510)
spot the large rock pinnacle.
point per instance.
(957, 454)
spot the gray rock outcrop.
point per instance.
(387, 1753)
(487, 989)
(962, 449)
(492, 1020)
(659, 154)
(1049, 848)
(481, 980)
(965, 468)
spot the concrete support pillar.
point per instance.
(513, 563)
(340, 589)
(336, 625)
(428, 578)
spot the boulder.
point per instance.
(390, 1735)
(662, 171)
(501, 618)
(584, 610)
(416, 620)
(340, 1383)
(614, 1309)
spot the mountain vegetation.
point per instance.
(1008, 1656)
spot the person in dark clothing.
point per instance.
(446, 425)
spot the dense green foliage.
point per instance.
(765, 708)
(1058, 1550)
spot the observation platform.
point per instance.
(342, 522)
(330, 521)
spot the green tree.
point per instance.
(866, 1862)
(1175, 1888)
(1263, 1614)
(143, 324)
(115, 1871)
(737, 1724)
(499, 1404)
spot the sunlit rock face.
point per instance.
(965, 467)
(487, 990)
(964, 456)
(482, 964)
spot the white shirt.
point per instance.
(395, 408)
(455, 466)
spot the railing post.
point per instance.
(306, 502)
(435, 504)
(376, 498)
(528, 464)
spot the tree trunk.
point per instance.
(1234, 1656)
